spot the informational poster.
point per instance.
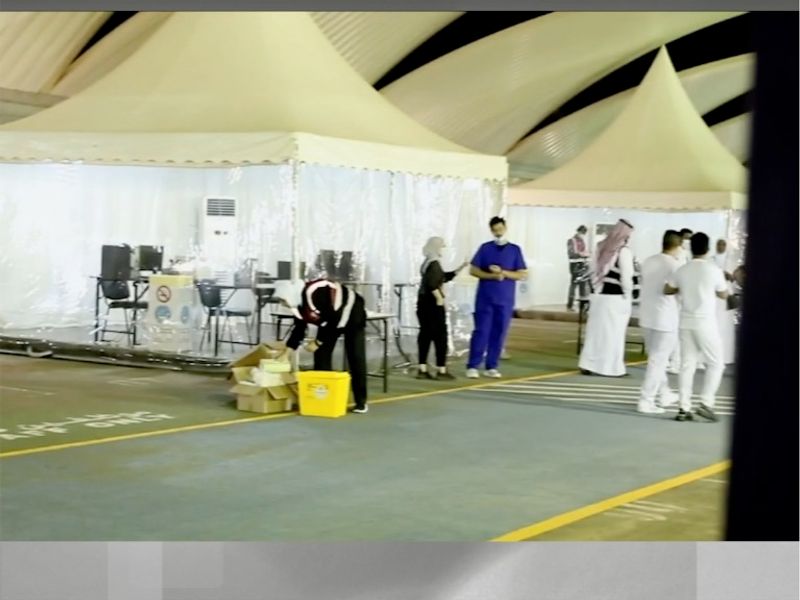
(171, 313)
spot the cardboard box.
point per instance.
(267, 400)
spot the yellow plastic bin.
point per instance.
(323, 393)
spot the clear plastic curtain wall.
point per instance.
(456, 210)
(543, 234)
(57, 218)
(235, 229)
(343, 226)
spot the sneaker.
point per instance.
(473, 374)
(668, 399)
(586, 372)
(424, 375)
(361, 410)
(650, 409)
(707, 413)
(493, 373)
(701, 367)
(445, 376)
(674, 371)
(505, 355)
(684, 416)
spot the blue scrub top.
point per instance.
(509, 258)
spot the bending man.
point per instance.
(335, 309)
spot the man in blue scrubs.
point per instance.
(499, 265)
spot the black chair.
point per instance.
(117, 295)
(211, 299)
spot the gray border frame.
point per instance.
(402, 5)
(362, 571)
(122, 571)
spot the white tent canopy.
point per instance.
(658, 154)
(709, 86)
(224, 75)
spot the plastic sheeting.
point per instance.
(62, 214)
(543, 234)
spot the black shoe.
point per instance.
(707, 413)
(424, 375)
(684, 416)
(446, 376)
(361, 410)
(585, 372)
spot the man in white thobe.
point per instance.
(699, 284)
(658, 319)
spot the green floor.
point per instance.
(694, 511)
(468, 464)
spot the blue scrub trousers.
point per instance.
(491, 326)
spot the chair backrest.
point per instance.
(115, 290)
(210, 295)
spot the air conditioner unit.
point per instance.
(218, 232)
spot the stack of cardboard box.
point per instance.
(266, 382)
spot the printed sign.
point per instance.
(321, 392)
(163, 293)
(93, 421)
(163, 313)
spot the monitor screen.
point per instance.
(151, 258)
(116, 263)
(285, 269)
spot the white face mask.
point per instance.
(686, 244)
(500, 240)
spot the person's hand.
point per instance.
(312, 346)
(495, 269)
(463, 266)
(286, 354)
(500, 275)
(440, 302)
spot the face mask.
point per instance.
(500, 240)
(686, 244)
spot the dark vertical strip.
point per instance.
(763, 497)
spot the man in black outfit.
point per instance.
(578, 256)
(335, 309)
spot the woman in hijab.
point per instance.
(610, 306)
(431, 310)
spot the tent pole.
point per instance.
(295, 165)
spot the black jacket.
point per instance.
(332, 307)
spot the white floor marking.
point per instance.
(16, 389)
(721, 409)
(631, 392)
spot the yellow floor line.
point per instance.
(201, 426)
(531, 531)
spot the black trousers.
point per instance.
(432, 328)
(576, 271)
(355, 349)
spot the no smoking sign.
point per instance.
(163, 294)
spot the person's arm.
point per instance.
(572, 253)
(626, 271)
(326, 335)
(297, 335)
(721, 287)
(450, 275)
(671, 287)
(481, 274)
(433, 279)
(520, 269)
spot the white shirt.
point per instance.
(697, 283)
(721, 260)
(657, 310)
